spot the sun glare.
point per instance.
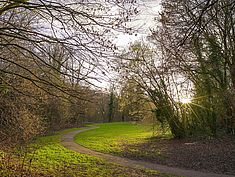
(185, 100)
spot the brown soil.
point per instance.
(211, 155)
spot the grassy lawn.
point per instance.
(110, 137)
(136, 142)
(46, 157)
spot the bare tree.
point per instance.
(81, 28)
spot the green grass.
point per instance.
(47, 157)
(109, 137)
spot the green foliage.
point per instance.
(3, 89)
(111, 106)
(136, 47)
(133, 103)
(206, 58)
(160, 116)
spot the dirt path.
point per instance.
(67, 141)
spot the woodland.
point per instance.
(55, 55)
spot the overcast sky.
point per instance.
(143, 21)
(148, 10)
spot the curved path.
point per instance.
(67, 140)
